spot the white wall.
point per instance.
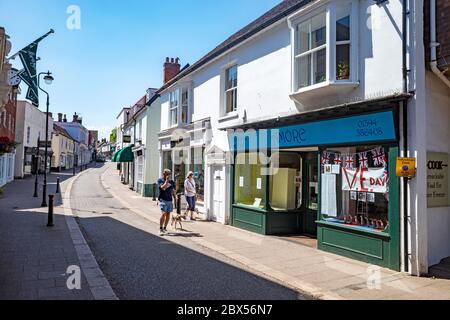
(152, 160)
(438, 137)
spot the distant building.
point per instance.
(63, 146)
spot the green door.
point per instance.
(311, 192)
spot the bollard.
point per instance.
(154, 192)
(58, 189)
(35, 195)
(178, 204)
(50, 210)
(74, 173)
(81, 168)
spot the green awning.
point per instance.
(114, 156)
(125, 155)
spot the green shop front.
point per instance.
(332, 179)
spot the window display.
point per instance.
(250, 183)
(359, 177)
(197, 167)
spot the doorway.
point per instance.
(311, 193)
(218, 193)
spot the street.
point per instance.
(143, 265)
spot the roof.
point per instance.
(282, 10)
(60, 130)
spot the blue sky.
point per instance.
(121, 46)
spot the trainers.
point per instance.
(161, 232)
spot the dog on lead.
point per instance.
(176, 219)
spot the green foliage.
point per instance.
(113, 136)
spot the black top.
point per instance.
(166, 195)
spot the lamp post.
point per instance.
(35, 195)
(48, 80)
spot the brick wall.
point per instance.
(8, 119)
(443, 31)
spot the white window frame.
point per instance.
(235, 88)
(174, 94)
(329, 7)
(185, 106)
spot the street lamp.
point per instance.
(48, 80)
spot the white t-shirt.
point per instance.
(189, 188)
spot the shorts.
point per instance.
(191, 203)
(166, 206)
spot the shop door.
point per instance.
(311, 192)
(218, 194)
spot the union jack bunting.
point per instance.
(379, 158)
(363, 160)
(337, 158)
(349, 162)
(325, 158)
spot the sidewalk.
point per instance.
(34, 258)
(306, 269)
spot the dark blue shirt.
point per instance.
(166, 195)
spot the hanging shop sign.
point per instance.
(437, 180)
(126, 139)
(356, 129)
(406, 167)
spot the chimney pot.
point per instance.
(59, 117)
(171, 69)
(65, 118)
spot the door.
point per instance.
(218, 193)
(311, 191)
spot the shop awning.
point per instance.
(126, 154)
(114, 156)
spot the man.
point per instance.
(167, 194)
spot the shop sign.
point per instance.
(406, 167)
(42, 144)
(365, 180)
(372, 127)
(437, 180)
(126, 139)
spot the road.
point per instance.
(142, 265)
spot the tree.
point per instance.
(113, 136)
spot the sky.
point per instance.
(119, 50)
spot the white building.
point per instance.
(330, 81)
(30, 126)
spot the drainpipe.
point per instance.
(405, 133)
(434, 44)
(134, 142)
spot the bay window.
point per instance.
(325, 45)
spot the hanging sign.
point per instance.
(365, 180)
(406, 167)
(126, 139)
(437, 180)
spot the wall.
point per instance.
(152, 144)
(438, 136)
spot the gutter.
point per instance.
(434, 44)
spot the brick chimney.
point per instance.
(60, 117)
(171, 69)
(75, 118)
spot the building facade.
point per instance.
(63, 147)
(301, 116)
(30, 130)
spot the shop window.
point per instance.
(355, 187)
(197, 166)
(286, 182)
(167, 160)
(250, 184)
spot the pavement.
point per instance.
(301, 268)
(37, 262)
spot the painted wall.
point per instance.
(29, 116)
(152, 171)
(438, 137)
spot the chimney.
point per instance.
(75, 118)
(65, 118)
(59, 117)
(50, 115)
(171, 69)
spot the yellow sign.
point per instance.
(406, 167)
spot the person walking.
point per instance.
(167, 195)
(190, 193)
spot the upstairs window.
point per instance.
(231, 82)
(28, 134)
(312, 51)
(173, 108)
(343, 43)
(185, 106)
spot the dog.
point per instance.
(176, 218)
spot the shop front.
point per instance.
(332, 179)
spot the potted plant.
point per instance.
(343, 71)
(7, 145)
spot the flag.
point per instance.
(363, 160)
(349, 162)
(379, 158)
(325, 158)
(337, 159)
(29, 75)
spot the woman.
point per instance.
(190, 194)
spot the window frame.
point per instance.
(330, 9)
(225, 115)
(174, 94)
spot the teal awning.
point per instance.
(125, 155)
(114, 156)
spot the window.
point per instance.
(184, 106)
(250, 184)
(311, 51)
(28, 134)
(343, 43)
(355, 187)
(231, 82)
(173, 108)
(325, 53)
(197, 167)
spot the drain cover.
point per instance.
(107, 213)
